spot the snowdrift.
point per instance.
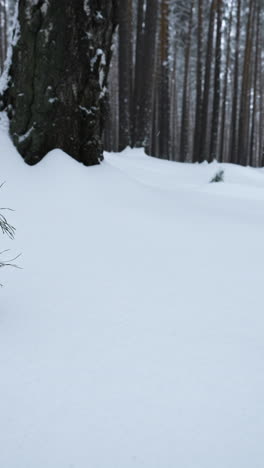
(133, 336)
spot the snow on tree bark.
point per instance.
(57, 88)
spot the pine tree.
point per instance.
(57, 88)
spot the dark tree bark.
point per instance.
(174, 107)
(144, 110)
(184, 144)
(244, 113)
(221, 157)
(253, 157)
(139, 60)
(203, 154)
(234, 114)
(3, 33)
(217, 86)
(111, 131)
(125, 74)
(164, 99)
(199, 83)
(56, 94)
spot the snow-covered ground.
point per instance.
(133, 336)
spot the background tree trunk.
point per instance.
(203, 154)
(217, 86)
(199, 83)
(125, 74)
(144, 110)
(56, 94)
(244, 113)
(234, 114)
(164, 99)
(138, 66)
(225, 86)
(184, 143)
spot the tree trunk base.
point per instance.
(57, 89)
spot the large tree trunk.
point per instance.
(56, 94)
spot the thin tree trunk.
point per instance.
(198, 110)
(252, 157)
(184, 145)
(125, 73)
(243, 137)
(217, 86)
(224, 103)
(234, 112)
(147, 75)
(138, 82)
(164, 106)
(207, 81)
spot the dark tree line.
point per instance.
(187, 80)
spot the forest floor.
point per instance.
(133, 335)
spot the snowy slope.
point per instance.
(133, 336)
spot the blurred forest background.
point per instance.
(186, 79)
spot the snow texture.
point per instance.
(44, 7)
(12, 41)
(133, 336)
(86, 7)
(26, 135)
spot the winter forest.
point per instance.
(186, 79)
(131, 233)
(201, 96)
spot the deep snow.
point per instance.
(133, 336)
